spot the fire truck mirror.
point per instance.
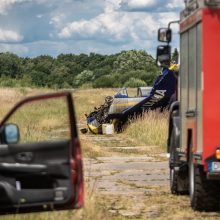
(165, 35)
(163, 55)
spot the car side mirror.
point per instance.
(163, 55)
(165, 35)
(10, 134)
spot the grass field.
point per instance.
(150, 130)
(35, 121)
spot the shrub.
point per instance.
(134, 82)
(104, 82)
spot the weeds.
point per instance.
(150, 129)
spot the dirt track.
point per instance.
(130, 177)
(123, 175)
(135, 186)
(126, 178)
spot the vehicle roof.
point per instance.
(191, 6)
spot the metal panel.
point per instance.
(199, 89)
(192, 69)
(184, 41)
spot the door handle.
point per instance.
(25, 157)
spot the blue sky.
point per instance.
(35, 27)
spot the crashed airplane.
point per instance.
(119, 108)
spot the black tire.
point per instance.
(204, 193)
(173, 181)
(173, 174)
(178, 178)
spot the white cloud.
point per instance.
(57, 20)
(139, 3)
(111, 27)
(10, 36)
(39, 16)
(112, 5)
(151, 5)
(105, 26)
(6, 4)
(19, 49)
(165, 18)
(175, 4)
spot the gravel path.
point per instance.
(132, 178)
(120, 175)
(135, 184)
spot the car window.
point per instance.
(44, 120)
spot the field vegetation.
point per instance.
(149, 131)
(127, 68)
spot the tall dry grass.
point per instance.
(48, 120)
(42, 121)
(93, 210)
(149, 129)
(86, 99)
(9, 96)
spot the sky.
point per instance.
(30, 28)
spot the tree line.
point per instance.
(125, 69)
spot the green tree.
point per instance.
(133, 83)
(133, 60)
(10, 65)
(85, 76)
(59, 77)
(106, 81)
(71, 70)
(175, 55)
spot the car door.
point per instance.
(40, 157)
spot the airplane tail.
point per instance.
(161, 95)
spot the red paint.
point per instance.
(211, 72)
(205, 167)
(77, 175)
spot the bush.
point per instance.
(106, 81)
(134, 82)
(6, 81)
(86, 86)
(85, 76)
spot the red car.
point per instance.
(40, 175)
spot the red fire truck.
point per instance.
(194, 138)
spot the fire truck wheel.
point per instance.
(173, 181)
(178, 174)
(203, 193)
(173, 173)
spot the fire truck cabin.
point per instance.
(199, 91)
